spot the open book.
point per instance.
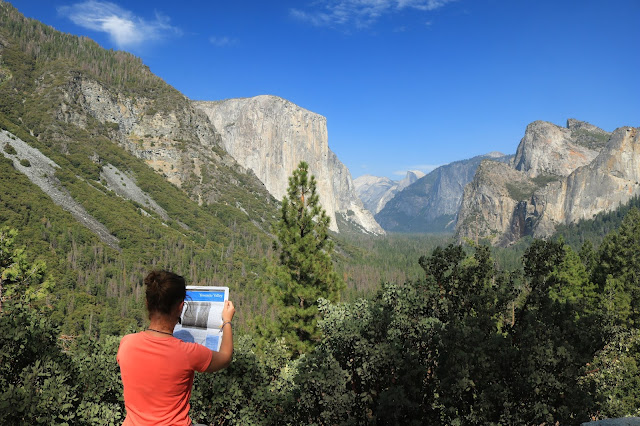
(201, 316)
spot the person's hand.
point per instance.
(227, 311)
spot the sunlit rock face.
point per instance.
(271, 136)
(550, 149)
(171, 136)
(559, 176)
(611, 179)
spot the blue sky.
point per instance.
(404, 84)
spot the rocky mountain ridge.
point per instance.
(270, 136)
(81, 98)
(553, 150)
(178, 142)
(558, 176)
(431, 203)
(375, 192)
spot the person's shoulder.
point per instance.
(129, 338)
(127, 343)
(132, 336)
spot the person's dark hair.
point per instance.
(164, 290)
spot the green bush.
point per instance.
(38, 383)
(9, 149)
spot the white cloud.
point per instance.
(222, 41)
(124, 28)
(423, 4)
(360, 13)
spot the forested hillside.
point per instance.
(553, 342)
(96, 288)
(217, 227)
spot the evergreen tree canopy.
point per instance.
(305, 272)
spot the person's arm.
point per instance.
(222, 358)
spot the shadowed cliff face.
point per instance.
(559, 176)
(490, 202)
(430, 204)
(270, 136)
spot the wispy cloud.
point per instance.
(124, 28)
(223, 41)
(424, 168)
(360, 13)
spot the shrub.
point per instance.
(9, 149)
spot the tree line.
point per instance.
(554, 341)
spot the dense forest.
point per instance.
(466, 343)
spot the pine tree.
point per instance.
(305, 270)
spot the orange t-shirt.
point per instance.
(157, 374)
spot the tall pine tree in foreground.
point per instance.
(305, 270)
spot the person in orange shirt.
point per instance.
(157, 369)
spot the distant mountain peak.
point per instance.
(431, 202)
(410, 177)
(494, 154)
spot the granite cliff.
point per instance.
(553, 150)
(490, 206)
(558, 176)
(175, 139)
(611, 179)
(270, 136)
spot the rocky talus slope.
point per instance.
(271, 136)
(41, 171)
(559, 176)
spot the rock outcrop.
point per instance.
(431, 203)
(125, 186)
(547, 149)
(375, 192)
(611, 179)
(559, 176)
(271, 136)
(168, 133)
(490, 207)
